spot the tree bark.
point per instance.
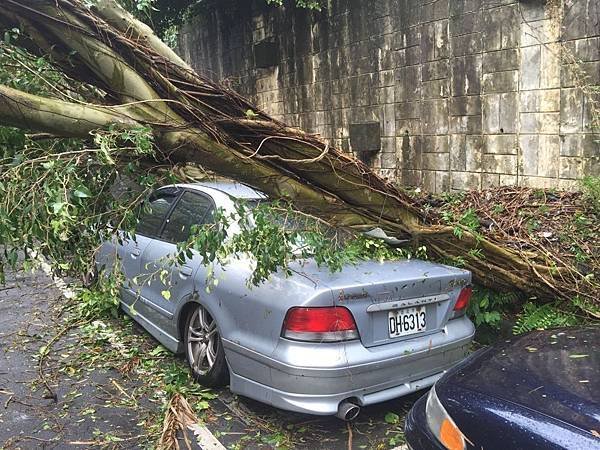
(196, 121)
(22, 110)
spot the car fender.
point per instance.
(480, 416)
(210, 302)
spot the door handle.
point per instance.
(135, 253)
(185, 271)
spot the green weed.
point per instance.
(488, 307)
(591, 192)
(541, 317)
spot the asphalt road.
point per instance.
(73, 413)
(56, 409)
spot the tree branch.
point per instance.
(115, 15)
(22, 110)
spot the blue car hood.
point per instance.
(555, 373)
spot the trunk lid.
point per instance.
(374, 292)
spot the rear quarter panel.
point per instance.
(252, 316)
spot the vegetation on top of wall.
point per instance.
(166, 16)
(308, 4)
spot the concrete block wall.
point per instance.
(468, 94)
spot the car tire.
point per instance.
(90, 278)
(204, 349)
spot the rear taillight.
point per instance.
(320, 324)
(462, 302)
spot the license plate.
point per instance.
(402, 322)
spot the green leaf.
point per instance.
(202, 405)
(392, 418)
(166, 294)
(159, 350)
(57, 207)
(82, 192)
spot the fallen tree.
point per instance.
(133, 80)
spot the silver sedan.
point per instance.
(315, 341)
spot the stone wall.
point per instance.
(445, 94)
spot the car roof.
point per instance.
(231, 188)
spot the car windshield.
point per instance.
(254, 202)
(281, 215)
(294, 221)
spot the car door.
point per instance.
(131, 247)
(166, 281)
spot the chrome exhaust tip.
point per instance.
(347, 411)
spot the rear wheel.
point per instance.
(204, 350)
(90, 278)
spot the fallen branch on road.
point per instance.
(45, 350)
(178, 417)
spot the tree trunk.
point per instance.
(198, 122)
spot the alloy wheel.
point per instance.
(202, 341)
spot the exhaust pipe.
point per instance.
(347, 410)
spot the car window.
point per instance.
(191, 209)
(154, 212)
(281, 216)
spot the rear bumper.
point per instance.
(315, 378)
(326, 405)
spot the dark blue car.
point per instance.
(540, 390)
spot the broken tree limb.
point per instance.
(22, 110)
(195, 121)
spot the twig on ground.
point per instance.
(122, 391)
(349, 426)
(33, 438)
(62, 332)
